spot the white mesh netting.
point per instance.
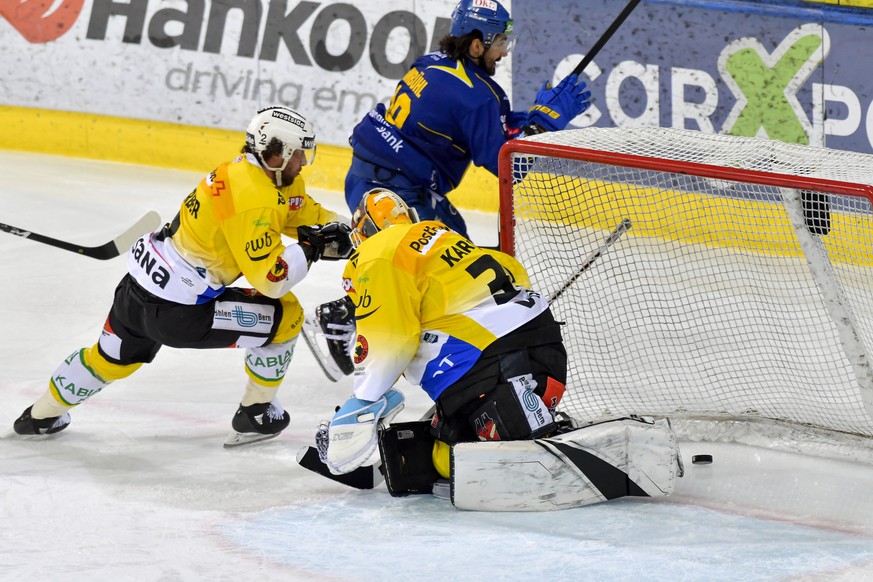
(714, 303)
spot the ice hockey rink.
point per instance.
(140, 488)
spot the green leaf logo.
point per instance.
(765, 85)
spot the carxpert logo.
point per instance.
(41, 21)
(765, 84)
(755, 84)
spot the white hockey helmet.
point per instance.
(291, 130)
(378, 209)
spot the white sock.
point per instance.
(47, 407)
(257, 394)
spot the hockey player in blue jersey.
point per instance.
(446, 112)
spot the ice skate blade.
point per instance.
(311, 334)
(239, 439)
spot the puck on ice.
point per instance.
(701, 459)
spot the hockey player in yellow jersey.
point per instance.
(176, 290)
(458, 320)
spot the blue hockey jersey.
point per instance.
(444, 114)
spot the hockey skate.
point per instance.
(255, 423)
(27, 425)
(330, 337)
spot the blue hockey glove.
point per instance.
(555, 107)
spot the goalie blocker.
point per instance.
(625, 457)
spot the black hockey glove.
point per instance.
(330, 242)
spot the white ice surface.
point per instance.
(140, 488)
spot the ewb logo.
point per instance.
(37, 22)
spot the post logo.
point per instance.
(37, 22)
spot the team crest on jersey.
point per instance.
(362, 348)
(218, 187)
(295, 202)
(279, 271)
(348, 287)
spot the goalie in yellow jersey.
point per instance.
(456, 319)
(176, 290)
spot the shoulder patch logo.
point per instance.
(279, 271)
(362, 348)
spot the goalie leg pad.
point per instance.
(581, 467)
(406, 450)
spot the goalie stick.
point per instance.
(589, 259)
(110, 250)
(364, 477)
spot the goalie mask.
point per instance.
(489, 17)
(280, 130)
(379, 209)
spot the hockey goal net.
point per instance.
(742, 287)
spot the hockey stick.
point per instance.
(589, 259)
(110, 250)
(604, 38)
(589, 56)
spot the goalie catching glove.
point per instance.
(330, 242)
(555, 107)
(351, 437)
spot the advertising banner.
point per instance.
(213, 63)
(799, 73)
(792, 71)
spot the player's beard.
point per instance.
(288, 177)
(490, 69)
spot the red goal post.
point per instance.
(743, 288)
